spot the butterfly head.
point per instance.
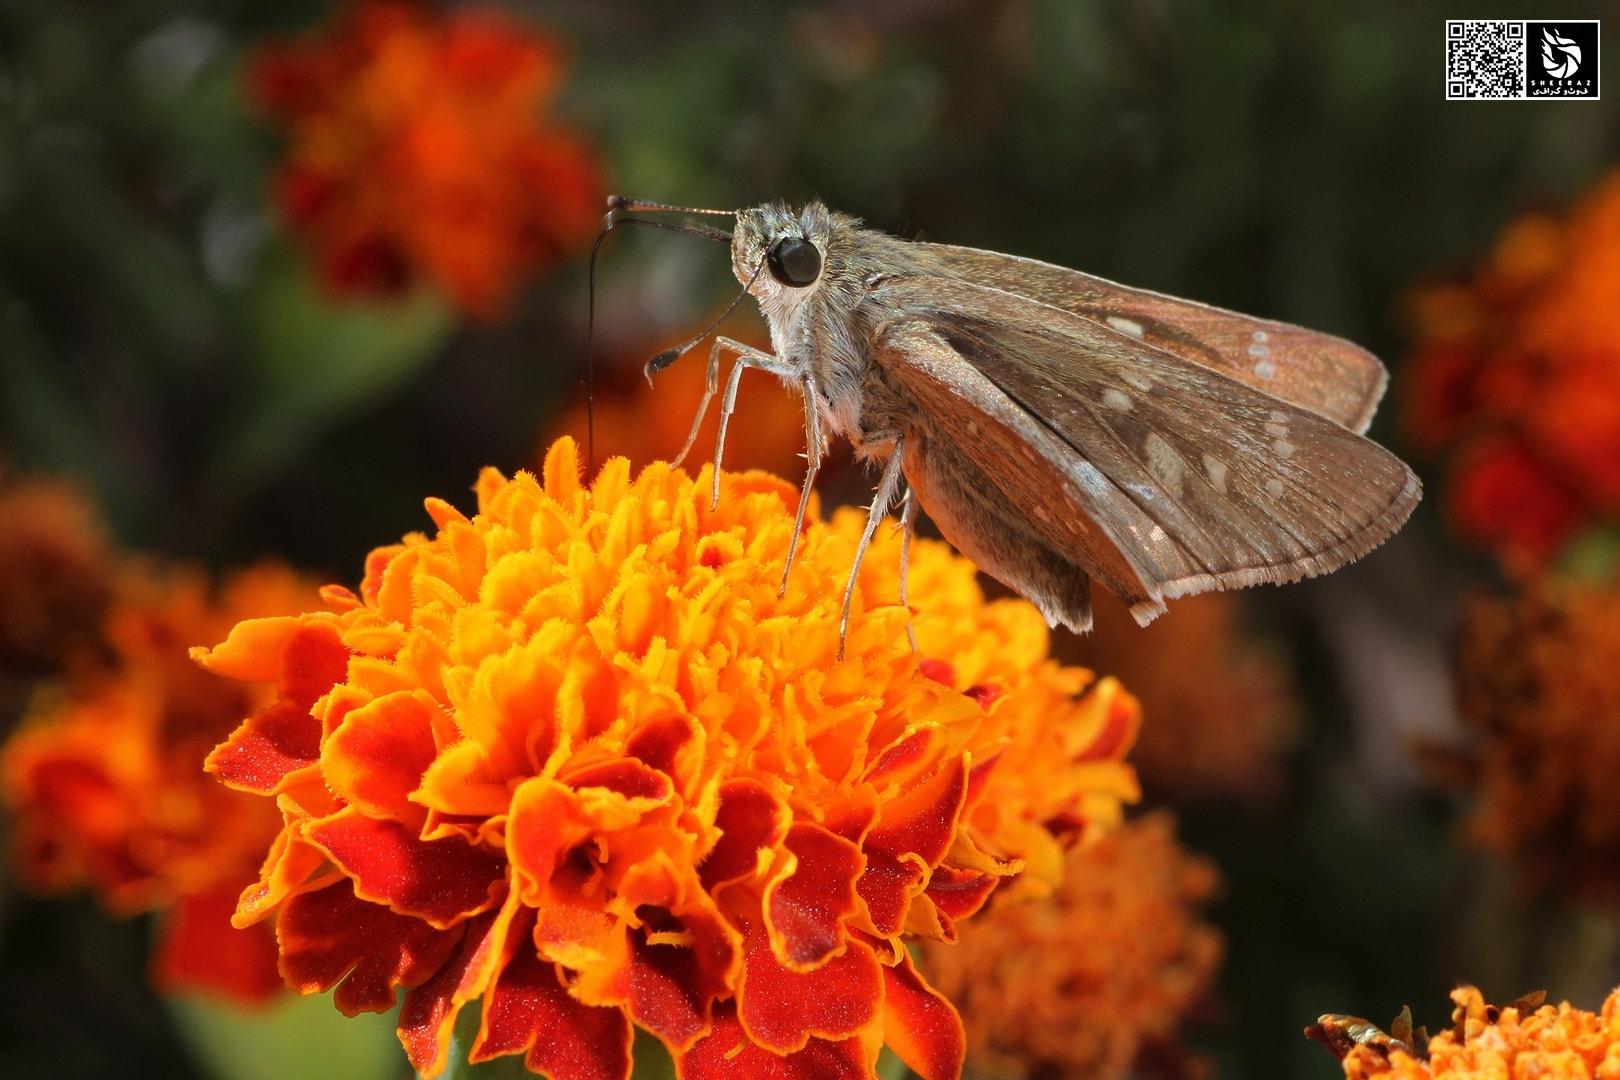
(780, 253)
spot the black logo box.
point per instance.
(1583, 82)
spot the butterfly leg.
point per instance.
(886, 489)
(711, 386)
(908, 522)
(815, 449)
(747, 357)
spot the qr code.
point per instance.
(1485, 58)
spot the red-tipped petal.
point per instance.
(805, 911)
(377, 755)
(728, 1054)
(430, 1010)
(280, 739)
(920, 1025)
(750, 820)
(312, 659)
(442, 881)
(329, 936)
(530, 1012)
(783, 1009)
(958, 893)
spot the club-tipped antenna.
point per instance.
(609, 223)
(625, 203)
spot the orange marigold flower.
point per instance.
(1083, 984)
(417, 145)
(1517, 370)
(577, 757)
(1523, 1039)
(55, 575)
(1220, 707)
(1537, 677)
(106, 785)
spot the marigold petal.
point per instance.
(920, 1025)
(273, 743)
(313, 658)
(805, 910)
(781, 1009)
(328, 936)
(430, 1010)
(958, 893)
(752, 823)
(440, 881)
(377, 755)
(530, 1012)
(673, 746)
(727, 1053)
(252, 651)
(546, 823)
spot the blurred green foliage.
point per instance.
(162, 338)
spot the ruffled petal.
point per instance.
(441, 881)
(920, 1025)
(782, 1009)
(328, 936)
(430, 1010)
(727, 1053)
(529, 1011)
(806, 909)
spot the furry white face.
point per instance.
(780, 254)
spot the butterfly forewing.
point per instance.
(1197, 479)
(1321, 373)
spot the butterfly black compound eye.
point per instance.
(794, 261)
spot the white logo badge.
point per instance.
(1560, 54)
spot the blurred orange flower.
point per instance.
(1516, 375)
(1520, 1040)
(55, 575)
(576, 756)
(1219, 705)
(1084, 984)
(417, 146)
(106, 786)
(1537, 676)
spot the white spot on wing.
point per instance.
(1216, 470)
(1088, 477)
(1284, 449)
(1126, 326)
(1156, 534)
(1275, 487)
(1278, 416)
(1141, 382)
(1265, 369)
(1164, 462)
(1259, 352)
(1117, 399)
(1260, 336)
(1277, 431)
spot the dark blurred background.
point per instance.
(161, 341)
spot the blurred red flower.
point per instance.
(1516, 377)
(417, 146)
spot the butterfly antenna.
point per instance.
(623, 202)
